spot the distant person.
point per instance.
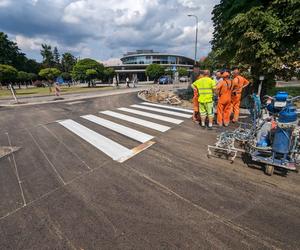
(127, 82)
(135, 82)
(57, 89)
(224, 100)
(238, 84)
(205, 87)
(196, 116)
(218, 76)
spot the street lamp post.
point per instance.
(196, 41)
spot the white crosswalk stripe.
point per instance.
(151, 115)
(129, 132)
(167, 107)
(114, 150)
(144, 123)
(162, 111)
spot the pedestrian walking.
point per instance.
(224, 100)
(127, 82)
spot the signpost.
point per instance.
(261, 78)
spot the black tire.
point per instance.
(269, 170)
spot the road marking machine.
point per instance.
(271, 138)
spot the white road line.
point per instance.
(162, 111)
(77, 102)
(151, 115)
(167, 107)
(129, 132)
(138, 121)
(114, 150)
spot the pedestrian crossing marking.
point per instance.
(109, 147)
(167, 107)
(138, 121)
(162, 111)
(129, 132)
(151, 115)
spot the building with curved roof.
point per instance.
(134, 64)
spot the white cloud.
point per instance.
(107, 29)
(4, 3)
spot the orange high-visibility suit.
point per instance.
(238, 83)
(196, 105)
(224, 102)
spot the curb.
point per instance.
(66, 100)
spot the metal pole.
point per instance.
(196, 40)
(13, 93)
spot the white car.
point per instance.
(184, 79)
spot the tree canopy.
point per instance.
(48, 57)
(49, 73)
(7, 73)
(155, 71)
(182, 72)
(67, 62)
(260, 35)
(80, 69)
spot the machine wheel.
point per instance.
(269, 169)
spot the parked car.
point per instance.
(184, 79)
(165, 80)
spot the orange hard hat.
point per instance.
(225, 74)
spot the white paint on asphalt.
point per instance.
(77, 102)
(162, 111)
(112, 149)
(167, 107)
(129, 132)
(151, 115)
(138, 121)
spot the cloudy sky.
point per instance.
(105, 29)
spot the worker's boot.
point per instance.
(202, 123)
(210, 122)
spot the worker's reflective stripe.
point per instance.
(129, 132)
(205, 93)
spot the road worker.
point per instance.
(205, 87)
(224, 100)
(196, 116)
(238, 84)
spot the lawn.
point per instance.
(32, 91)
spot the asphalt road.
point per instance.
(60, 192)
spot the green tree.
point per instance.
(8, 74)
(182, 72)
(49, 74)
(48, 58)
(109, 73)
(23, 77)
(154, 71)
(91, 74)
(10, 54)
(67, 62)
(32, 77)
(66, 76)
(261, 35)
(56, 56)
(81, 67)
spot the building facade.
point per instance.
(134, 64)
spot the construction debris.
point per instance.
(163, 95)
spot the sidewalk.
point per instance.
(35, 100)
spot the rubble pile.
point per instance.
(164, 96)
(159, 95)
